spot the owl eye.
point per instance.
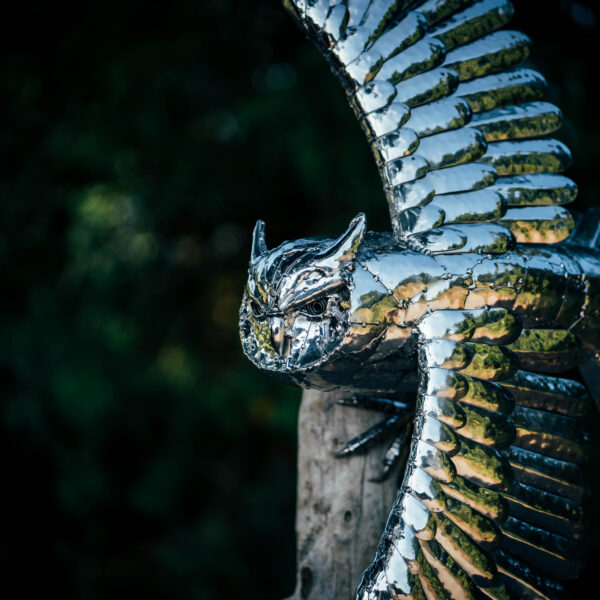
(316, 308)
(256, 309)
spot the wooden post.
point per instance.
(340, 512)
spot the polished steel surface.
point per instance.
(480, 298)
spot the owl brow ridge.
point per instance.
(290, 267)
(306, 298)
(287, 270)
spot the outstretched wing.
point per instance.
(456, 126)
(490, 505)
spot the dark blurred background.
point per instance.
(144, 456)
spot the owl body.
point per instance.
(344, 313)
(484, 298)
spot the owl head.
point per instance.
(294, 313)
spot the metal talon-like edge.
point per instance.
(480, 298)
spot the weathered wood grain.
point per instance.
(340, 512)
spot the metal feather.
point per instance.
(475, 300)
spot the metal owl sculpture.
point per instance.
(481, 297)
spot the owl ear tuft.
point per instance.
(259, 246)
(345, 247)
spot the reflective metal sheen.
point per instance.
(482, 296)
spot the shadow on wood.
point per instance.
(340, 512)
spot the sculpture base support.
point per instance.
(340, 512)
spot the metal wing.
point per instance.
(490, 504)
(456, 126)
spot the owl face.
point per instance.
(294, 313)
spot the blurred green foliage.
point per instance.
(145, 457)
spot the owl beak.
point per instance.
(278, 334)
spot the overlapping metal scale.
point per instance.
(490, 504)
(448, 110)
